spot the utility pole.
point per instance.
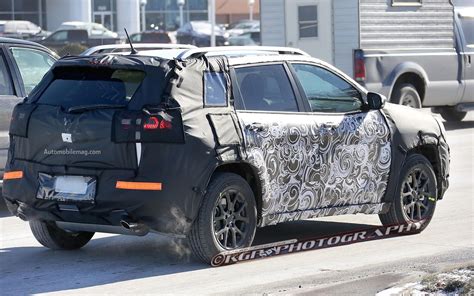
(251, 3)
(142, 7)
(212, 19)
(181, 15)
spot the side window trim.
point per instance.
(14, 73)
(239, 101)
(303, 94)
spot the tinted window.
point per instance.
(33, 64)
(468, 31)
(326, 91)
(5, 81)
(215, 89)
(266, 88)
(84, 86)
(59, 36)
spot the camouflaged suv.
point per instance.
(211, 143)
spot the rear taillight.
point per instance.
(153, 123)
(359, 65)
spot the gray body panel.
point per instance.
(439, 70)
(8, 102)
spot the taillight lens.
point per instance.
(359, 65)
(153, 123)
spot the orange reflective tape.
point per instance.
(13, 175)
(138, 185)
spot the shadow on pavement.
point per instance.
(118, 258)
(449, 126)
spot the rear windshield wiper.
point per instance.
(82, 108)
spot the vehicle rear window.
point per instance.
(73, 87)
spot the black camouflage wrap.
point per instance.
(300, 169)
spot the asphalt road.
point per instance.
(158, 265)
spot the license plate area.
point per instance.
(67, 188)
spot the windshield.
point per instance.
(73, 87)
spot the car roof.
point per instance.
(138, 46)
(228, 51)
(20, 41)
(5, 40)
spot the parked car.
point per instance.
(21, 30)
(396, 48)
(22, 65)
(93, 29)
(442, 79)
(151, 37)
(125, 48)
(198, 33)
(79, 37)
(244, 27)
(248, 38)
(241, 141)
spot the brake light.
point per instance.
(153, 123)
(359, 65)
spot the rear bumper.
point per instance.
(158, 210)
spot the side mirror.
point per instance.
(375, 101)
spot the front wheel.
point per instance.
(407, 95)
(227, 218)
(51, 236)
(416, 194)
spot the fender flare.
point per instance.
(404, 68)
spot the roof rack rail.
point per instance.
(199, 52)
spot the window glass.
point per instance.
(33, 64)
(326, 91)
(467, 25)
(266, 88)
(215, 89)
(5, 81)
(88, 86)
(308, 21)
(136, 37)
(59, 36)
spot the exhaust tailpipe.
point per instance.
(137, 228)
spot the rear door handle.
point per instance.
(255, 126)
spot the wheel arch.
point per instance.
(411, 73)
(430, 151)
(249, 173)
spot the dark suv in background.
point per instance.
(22, 66)
(212, 144)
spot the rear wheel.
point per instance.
(227, 218)
(406, 94)
(451, 114)
(416, 194)
(51, 236)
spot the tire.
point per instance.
(215, 215)
(452, 115)
(400, 212)
(55, 238)
(406, 94)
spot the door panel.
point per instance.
(8, 100)
(307, 164)
(308, 27)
